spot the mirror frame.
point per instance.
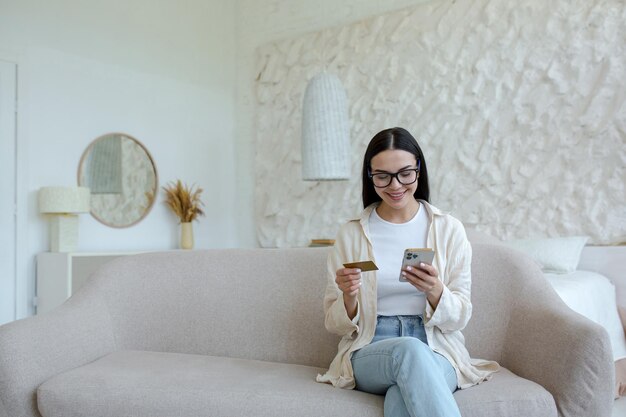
(156, 178)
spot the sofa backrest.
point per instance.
(266, 304)
(261, 304)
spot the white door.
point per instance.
(8, 98)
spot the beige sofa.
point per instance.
(241, 333)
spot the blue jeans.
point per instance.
(399, 363)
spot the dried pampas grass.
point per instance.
(184, 201)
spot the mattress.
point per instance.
(592, 295)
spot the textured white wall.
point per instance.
(263, 21)
(520, 109)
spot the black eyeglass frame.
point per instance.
(392, 176)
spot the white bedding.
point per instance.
(593, 296)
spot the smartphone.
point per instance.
(415, 256)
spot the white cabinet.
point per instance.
(60, 274)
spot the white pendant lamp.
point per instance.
(325, 130)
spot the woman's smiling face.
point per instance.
(396, 196)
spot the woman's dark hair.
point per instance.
(394, 138)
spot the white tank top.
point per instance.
(389, 240)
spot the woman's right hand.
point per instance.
(349, 281)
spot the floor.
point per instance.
(619, 409)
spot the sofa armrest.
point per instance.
(561, 350)
(34, 349)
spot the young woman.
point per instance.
(401, 338)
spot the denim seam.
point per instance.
(375, 354)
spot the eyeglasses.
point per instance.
(404, 177)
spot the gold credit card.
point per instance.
(364, 266)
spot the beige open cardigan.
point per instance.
(453, 255)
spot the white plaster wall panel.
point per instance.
(263, 21)
(520, 109)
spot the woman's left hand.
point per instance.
(425, 278)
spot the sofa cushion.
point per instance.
(155, 384)
(506, 395)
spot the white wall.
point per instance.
(8, 90)
(519, 108)
(164, 73)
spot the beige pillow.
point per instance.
(558, 255)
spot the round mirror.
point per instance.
(122, 178)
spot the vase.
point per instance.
(186, 236)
